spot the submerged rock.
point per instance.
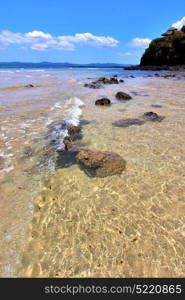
(153, 117)
(73, 131)
(103, 101)
(70, 146)
(128, 122)
(100, 164)
(123, 96)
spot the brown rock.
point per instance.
(93, 85)
(70, 146)
(123, 96)
(73, 131)
(153, 117)
(100, 164)
(103, 101)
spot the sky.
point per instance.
(84, 31)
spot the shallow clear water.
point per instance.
(60, 222)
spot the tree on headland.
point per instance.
(183, 29)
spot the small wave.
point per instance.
(58, 130)
(40, 70)
(57, 105)
(7, 71)
(8, 169)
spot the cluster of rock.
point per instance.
(98, 163)
(119, 96)
(148, 116)
(97, 84)
(94, 163)
(161, 75)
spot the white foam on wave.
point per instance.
(40, 70)
(72, 111)
(57, 105)
(6, 71)
(8, 169)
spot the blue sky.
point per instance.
(82, 31)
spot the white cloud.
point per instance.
(140, 42)
(179, 23)
(125, 53)
(42, 41)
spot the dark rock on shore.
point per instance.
(101, 81)
(161, 75)
(100, 164)
(179, 68)
(153, 117)
(103, 101)
(29, 86)
(128, 122)
(123, 96)
(105, 80)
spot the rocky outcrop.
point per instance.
(123, 96)
(103, 101)
(165, 51)
(100, 164)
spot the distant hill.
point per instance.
(168, 50)
(45, 64)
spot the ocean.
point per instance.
(56, 221)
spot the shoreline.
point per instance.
(178, 68)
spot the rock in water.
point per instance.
(70, 146)
(93, 85)
(153, 117)
(128, 122)
(73, 131)
(123, 96)
(100, 164)
(103, 101)
(105, 80)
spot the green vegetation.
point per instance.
(168, 50)
(183, 29)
